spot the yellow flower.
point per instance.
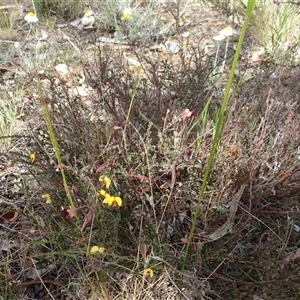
(32, 158)
(31, 17)
(112, 201)
(101, 193)
(105, 180)
(148, 272)
(108, 199)
(88, 12)
(96, 249)
(117, 201)
(47, 198)
(127, 13)
(245, 107)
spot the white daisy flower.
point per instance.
(219, 38)
(227, 31)
(88, 19)
(224, 33)
(127, 13)
(31, 17)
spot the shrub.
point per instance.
(68, 9)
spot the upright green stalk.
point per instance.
(219, 126)
(53, 140)
(33, 5)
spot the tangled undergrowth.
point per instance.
(106, 213)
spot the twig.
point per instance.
(7, 6)
(76, 48)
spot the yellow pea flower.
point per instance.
(32, 158)
(117, 201)
(96, 249)
(47, 198)
(101, 193)
(108, 200)
(148, 272)
(105, 180)
(113, 201)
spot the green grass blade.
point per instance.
(219, 125)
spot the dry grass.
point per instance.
(8, 16)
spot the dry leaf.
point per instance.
(170, 47)
(143, 248)
(30, 232)
(69, 213)
(44, 35)
(62, 69)
(87, 219)
(228, 225)
(9, 217)
(131, 61)
(292, 256)
(186, 114)
(143, 178)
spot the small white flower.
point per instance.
(31, 17)
(227, 31)
(224, 33)
(219, 38)
(127, 13)
(186, 34)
